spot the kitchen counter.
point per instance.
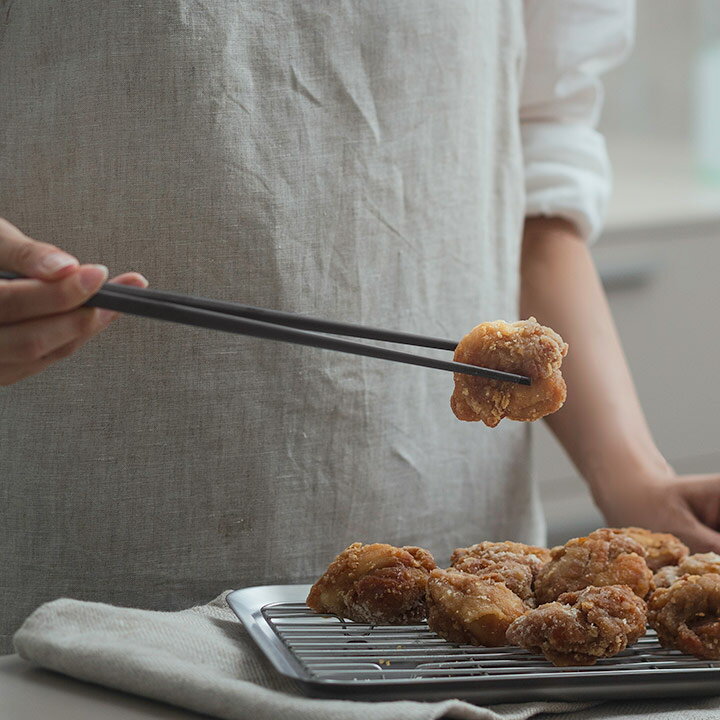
(28, 692)
(656, 186)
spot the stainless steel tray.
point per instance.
(330, 657)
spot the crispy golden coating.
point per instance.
(604, 557)
(532, 555)
(708, 632)
(376, 584)
(661, 549)
(686, 615)
(583, 626)
(666, 576)
(513, 563)
(464, 608)
(524, 347)
(698, 564)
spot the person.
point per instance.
(420, 166)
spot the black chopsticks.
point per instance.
(280, 326)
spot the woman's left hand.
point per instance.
(686, 505)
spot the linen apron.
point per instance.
(358, 161)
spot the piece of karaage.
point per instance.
(464, 608)
(376, 584)
(604, 557)
(686, 615)
(524, 347)
(698, 564)
(666, 576)
(515, 564)
(582, 627)
(661, 549)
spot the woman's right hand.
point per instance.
(41, 318)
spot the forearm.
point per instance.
(601, 425)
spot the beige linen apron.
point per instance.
(354, 160)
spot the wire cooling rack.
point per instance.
(331, 657)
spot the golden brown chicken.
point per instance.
(583, 626)
(464, 608)
(661, 549)
(666, 576)
(604, 557)
(376, 584)
(698, 564)
(686, 615)
(526, 348)
(513, 563)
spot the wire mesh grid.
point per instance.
(330, 649)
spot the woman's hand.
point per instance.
(41, 320)
(686, 505)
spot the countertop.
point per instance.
(28, 692)
(656, 185)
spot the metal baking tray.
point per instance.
(331, 657)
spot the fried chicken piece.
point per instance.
(513, 563)
(582, 627)
(698, 564)
(376, 584)
(666, 576)
(604, 557)
(686, 615)
(661, 548)
(531, 555)
(464, 608)
(525, 348)
(708, 632)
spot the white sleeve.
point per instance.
(569, 44)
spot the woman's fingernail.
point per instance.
(52, 262)
(105, 317)
(92, 276)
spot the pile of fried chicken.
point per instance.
(576, 603)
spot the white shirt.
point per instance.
(570, 43)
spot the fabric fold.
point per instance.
(202, 659)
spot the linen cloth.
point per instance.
(359, 161)
(202, 659)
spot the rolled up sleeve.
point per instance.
(570, 43)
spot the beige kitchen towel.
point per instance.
(203, 660)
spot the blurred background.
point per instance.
(659, 256)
